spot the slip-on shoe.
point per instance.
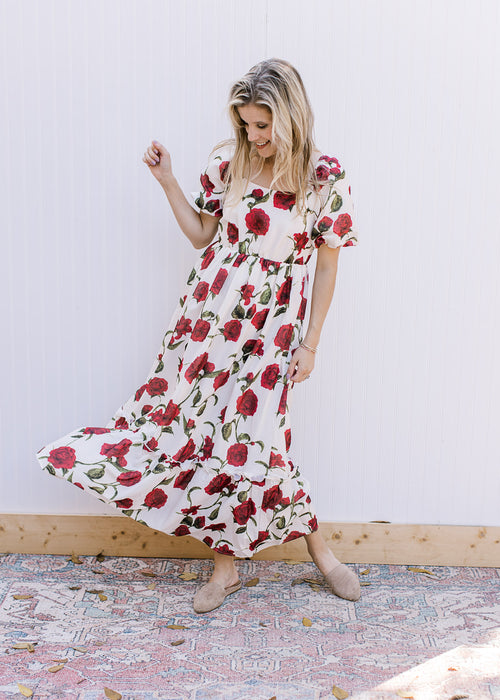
(212, 595)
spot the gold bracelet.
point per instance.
(308, 348)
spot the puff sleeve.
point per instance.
(210, 198)
(335, 224)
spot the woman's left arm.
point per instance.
(302, 361)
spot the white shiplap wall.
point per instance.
(400, 421)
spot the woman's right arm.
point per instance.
(199, 227)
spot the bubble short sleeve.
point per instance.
(335, 224)
(210, 198)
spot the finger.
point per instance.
(153, 155)
(292, 368)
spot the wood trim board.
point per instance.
(363, 543)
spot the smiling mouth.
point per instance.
(261, 145)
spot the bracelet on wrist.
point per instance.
(308, 347)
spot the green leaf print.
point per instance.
(95, 473)
(99, 489)
(235, 367)
(50, 469)
(281, 523)
(243, 437)
(281, 310)
(160, 367)
(192, 275)
(214, 514)
(238, 312)
(140, 421)
(241, 530)
(336, 203)
(159, 468)
(226, 430)
(242, 496)
(197, 397)
(265, 296)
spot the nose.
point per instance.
(252, 134)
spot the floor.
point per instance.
(116, 627)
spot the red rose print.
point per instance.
(157, 386)
(260, 318)
(218, 484)
(201, 291)
(221, 379)
(222, 416)
(284, 394)
(223, 169)
(283, 293)
(219, 281)
(288, 438)
(244, 511)
(124, 503)
(262, 537)
(325, 224)
(140, 392)
(190, 511)
(276, 460)
(246, 293)
(285, 502)
(284, 200)
(283, 337)
(251, 311)
(119, 451)
(96, 431)
(62, 457)
(185, 452)
(199, 522)
(253, 347)
(196, 367)
(237, 454)
(208, 256)
(269, 376)
(183, 326)
(302, 309)
(183, 479)
(166, 416)
(257, 222)
(232, 330)
(208, 540)
(239, 259)
(151, 445)
(207, 185)
(300, 241)
(190, 424)
(300, 494)
(121, 423)
(129, 478)
(257, 193)
(342, 224)
(216, 527)
(313, 523)
(271, 498)
(200, 330)
(246, 404)
(207, 448)
(293, 536)
(322, 172)
(224, 549)
(182, 530)
(146, 409)
(232, 233)
(319, 241)
(77, 483)
(155, 498)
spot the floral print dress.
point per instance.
(202, 447)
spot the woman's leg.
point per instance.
(225, 571)
(342, 580)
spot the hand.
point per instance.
(301, 364)
(158, 159)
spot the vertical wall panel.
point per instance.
(400, 419)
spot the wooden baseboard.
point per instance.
(364, 543)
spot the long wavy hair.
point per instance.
(276, 85)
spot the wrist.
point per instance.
(168, 182)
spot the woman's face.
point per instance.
(258, 123)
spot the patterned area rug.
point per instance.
(111, 624)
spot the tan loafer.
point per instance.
(212, 595)
(344, 582)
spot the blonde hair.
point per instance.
(276, 85)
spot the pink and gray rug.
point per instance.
(127, 625)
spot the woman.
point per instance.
(201, 447)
